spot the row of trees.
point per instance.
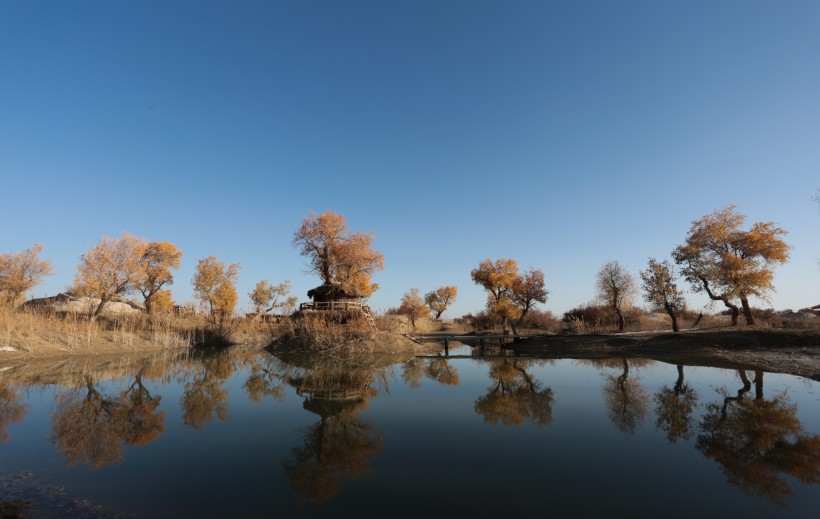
(435, 303)
(719, 257)
(120, 266)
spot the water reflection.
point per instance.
(758, 441)
(625, 398)
(205, 398)
(11, 410)
(674, 408)
(438, 369)
(755, 438)
(91, 428)
(515, 396)
(342, 443)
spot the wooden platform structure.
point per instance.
(339, 306)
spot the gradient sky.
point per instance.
(560, 134)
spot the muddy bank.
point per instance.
(779, 351)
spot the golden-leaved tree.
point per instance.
(337, 255)
(413, 306)
(158, 258)
(112, 267)
(215, 285)
(20, 272)
(661, 290)
(440, 299)
(729, 263)
(267, 297)
(162, 302)
(511, 294)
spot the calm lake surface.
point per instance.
(253, 434)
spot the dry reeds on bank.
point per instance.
(326, 331)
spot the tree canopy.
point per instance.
(661, 290)
(112, 267)
(158, 258)
(615, 287)
(413, 306)
(267, 297)
(511, 294)
(440, 299)
(215, 285)
(727, 262)
(20, 272)
(338, 256)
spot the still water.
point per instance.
(253, 434)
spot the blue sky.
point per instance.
(560, 134)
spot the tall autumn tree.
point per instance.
(615, 287)
(158, 258)
(215, 285)
(20, 272)
(338, 256)
(413, 306)
(440, 299)
(498, 278)
(267, 297)
(112, 267)
(727, 262)
(660, 289)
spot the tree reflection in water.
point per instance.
(92, 429)
(438, 370)
(515, 397)
(674, 408)
(625, 398)
(11, 410)
(341, 444)
(204, 398)
(758, 441)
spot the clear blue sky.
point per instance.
(560, 134)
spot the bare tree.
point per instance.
(616, 288)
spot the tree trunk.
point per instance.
(514, 327)
(99, 309)
(726, 303)
(671, 313)
(735, 311)
(747, 310)
(758, 385)
(520, 320)
(679, 382)
(438, 314)
(620, 318)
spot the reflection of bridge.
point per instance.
(481, 339)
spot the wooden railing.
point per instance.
(335, 305)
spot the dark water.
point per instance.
(252, 434)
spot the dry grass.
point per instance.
(30, 330)
(325, 332)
